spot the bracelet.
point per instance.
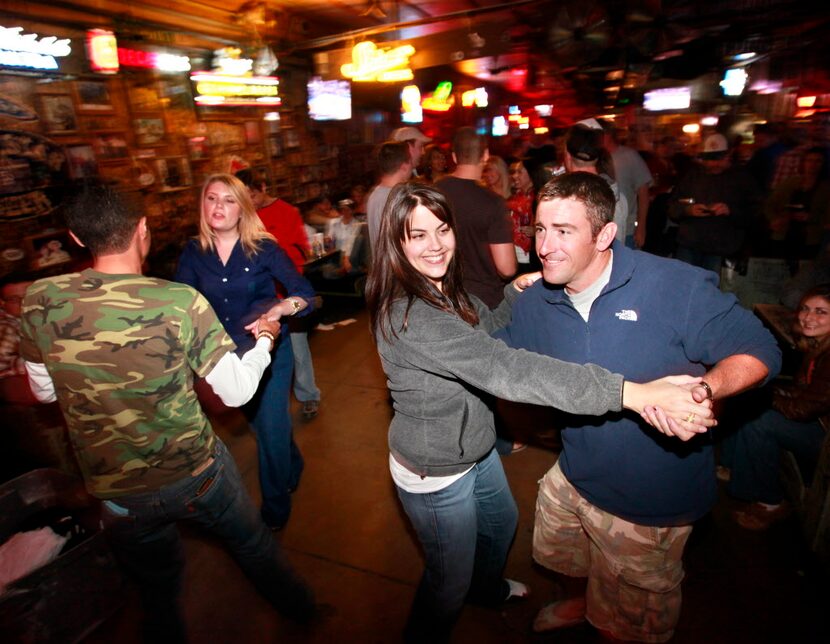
(266, 334)
(709, 393)
(295, 305)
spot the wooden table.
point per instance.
(778, 319)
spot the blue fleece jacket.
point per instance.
(655, 317)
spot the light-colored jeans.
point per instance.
(305, 388)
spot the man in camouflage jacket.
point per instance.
(118, 351)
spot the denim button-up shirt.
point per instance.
(243, 289)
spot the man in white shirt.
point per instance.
(349, 237)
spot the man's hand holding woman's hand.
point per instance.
(265, 324)
(673, 405)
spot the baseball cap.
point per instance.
(715, 146)
(591, 124)
(584, 143)
(409, 134)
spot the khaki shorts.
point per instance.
(634, 572)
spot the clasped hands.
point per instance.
(265, 322)
(679, 407)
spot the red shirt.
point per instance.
(284, 222)
(521, 210)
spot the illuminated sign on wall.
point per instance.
(411, 111)
(500, 126)
(26, 50)
(105, 56)
(369, 63)
(159, 61)
(441, 99)
(102, 51)
(219, 89)
(734, 81)
(229, 61)
(477, 97)
(670, 98)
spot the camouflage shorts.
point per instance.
(634, 572)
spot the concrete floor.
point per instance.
(349, 538)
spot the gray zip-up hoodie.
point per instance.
(440, 370)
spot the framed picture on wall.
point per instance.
(253, 135)
(198, 148)
(58, 113)
(274, 146)
(149, 130)
(49, 248)
(291, 139)
(93, 96)
(82, 161)
(111, 147)
(172, 173)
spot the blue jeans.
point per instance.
(280, 461)
(143, 533)
(756, 453)
(304, 386)
(699, 258)
(466, 531)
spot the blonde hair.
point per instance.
(251, 229)
(502, 187)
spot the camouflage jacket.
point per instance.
(121, 351)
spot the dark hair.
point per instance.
(393, 277)
(102, 219)
(468, 146)
(813, 346)
(590, 189)
(391, 155)
(247, 177)
(15, 277)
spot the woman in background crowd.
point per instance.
(794, 422)
(496, 177)
(435, 163)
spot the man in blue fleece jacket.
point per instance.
(619, 504)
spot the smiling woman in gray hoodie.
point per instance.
(443, 369)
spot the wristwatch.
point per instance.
(295, 304)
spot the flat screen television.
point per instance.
(329, 100)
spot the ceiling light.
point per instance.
(691, 128)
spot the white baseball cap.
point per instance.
(409, 134)
(715, 146)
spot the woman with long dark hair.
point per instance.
(794, 421)
(442, 368)
(234, 263)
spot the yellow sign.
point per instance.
(216, 89)
(384, 65)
